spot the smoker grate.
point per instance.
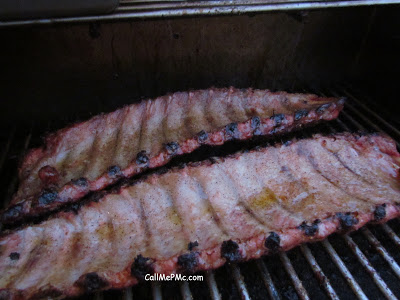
(141, 9)
(363, 264)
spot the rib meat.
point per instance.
(94, 154)
(206, 214)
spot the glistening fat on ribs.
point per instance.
(94, 154)
(206, 214)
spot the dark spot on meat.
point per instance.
(284, 169)
(91, 282)
(188, 262)
(141, 266)
(142, 158)
(181, 165)
(47, 197)
(323, 108)
(14, 256)
(80, 182)
(230, 251)
(48, 175)
(202, 136)
(300, 114)
(380, 212)
(114, 171)
(272, 242)
(347, 220)
(171, 148)
(12, 212)
(192, 245)
(232, 130)
(255, 125)
(310, 230)
(278, 119)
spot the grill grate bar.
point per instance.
(156, 290)
(127, 295)
(368, 267)
(301, 291)
(363, 117)
(185, 290)
(391, 234)
(382, 251)
(212, 284)
(343, 269)
(266, 277)
(370, 111)
(318, 272)
(238, 278)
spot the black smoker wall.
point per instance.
(65, 72)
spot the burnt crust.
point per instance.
(310, 230)
(300, 114)
(46, 197)
(347, 220)
(272, 242)
(380, 212)
(230, 251)
(192, 245)
(14, 255)
(80, 182)
(232, 130)
(172, 148)
(142, 266)
(202, 136)
(91, 282)
(278, 118)
(114, 171)
(188, 262)
(142, 158)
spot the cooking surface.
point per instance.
(314, 270)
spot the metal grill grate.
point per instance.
(363, 264)
(141, 9)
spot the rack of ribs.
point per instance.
(204, 214)
(92, 155)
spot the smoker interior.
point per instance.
(53, 76)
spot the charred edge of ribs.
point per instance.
(142, 158)
(347, 220)
(188, 262)
(142, 266)
(192, 245)
(380, 212)
(114, 171)
(91, 282)
(310, 230)
(272, 242)
(230, 251)
(48, 202)
(83, 182)
(172, 148)
(14, 255)
(202, 137)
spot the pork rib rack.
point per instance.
(91, 155)
(204, 215)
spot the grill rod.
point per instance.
(298, 285)
(381, 250)
(391, 234)
(212, 285)
(343, 269)
(266, 277)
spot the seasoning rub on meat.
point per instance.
(94, 154)
(206, 214)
